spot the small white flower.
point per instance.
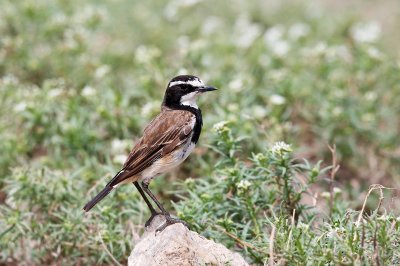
(119, 146)
(333, 233)
(246, 32)
(149, 107)
(171, 10)
(337, 111)
(337, 52)
(273, 38)
(366, 32)
(88, 91)
(325, 195)
(88, 13)
(277, 99)
(9, 79)
(243, 184)
(370, 96)
(55, 92)
(320, 48)
(220, 126)
(375, 53)
(280, 48)
(144, 54)
(278, 75)
(101, 71)
(187, 3)
(59, 19)
(281, 147)
(298, 30)
(73, 37)
(236, 84)
(273, 35)
(20, 107)
(198, 45)
(303, 226)
(233, 107)
(337, 190)
(119, 159)
(246, 39)
(259, 111)
(211, 25)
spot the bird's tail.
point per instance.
(98, 198)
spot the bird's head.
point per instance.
(183, 90)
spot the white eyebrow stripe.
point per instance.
(194, 83)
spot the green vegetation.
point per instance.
(78, 82)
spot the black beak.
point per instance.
(206, 88)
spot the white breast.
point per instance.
(172, 160)
(168, 162)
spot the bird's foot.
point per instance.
(169, 221)
(153, 215)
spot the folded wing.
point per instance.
(164, 134)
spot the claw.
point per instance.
(169, 221)
(153, 215)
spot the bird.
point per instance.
(166, 142)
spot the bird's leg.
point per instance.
(146, 189)
(154, 213)
(152, 210)
(168, 219)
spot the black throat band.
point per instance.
(199, 119)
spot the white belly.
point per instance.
(171, 161)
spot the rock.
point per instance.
(177, 245)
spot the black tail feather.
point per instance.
(98, 198)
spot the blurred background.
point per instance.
(79, 81)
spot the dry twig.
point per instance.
(291, 229)
(371, 188)
(240, 241)
(335, 168)
(107, 251)
(271, 246)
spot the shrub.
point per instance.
(255, 206)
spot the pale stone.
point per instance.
(177, 245)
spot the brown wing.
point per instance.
(165, 133)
